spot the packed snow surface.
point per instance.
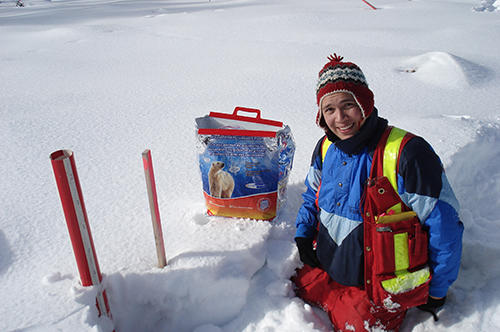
(109, 79)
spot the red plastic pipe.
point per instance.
(70, 192)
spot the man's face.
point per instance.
(342, 114)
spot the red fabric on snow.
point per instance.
(348, 307)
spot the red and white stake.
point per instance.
(370, 5)
(70, 192)
(153, 206)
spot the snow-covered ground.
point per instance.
(110, 78)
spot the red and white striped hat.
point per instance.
(338, 76)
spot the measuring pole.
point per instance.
(70, 192)
(153, 206)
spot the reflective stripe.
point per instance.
(406, 281)
(391, 152)
(324, 148)
(401, 259)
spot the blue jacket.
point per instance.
(337, 226)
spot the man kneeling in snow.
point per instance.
(378, 231)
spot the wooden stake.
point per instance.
(153, 206)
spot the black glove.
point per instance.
(306, 251)
(432, 306)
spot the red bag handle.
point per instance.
(247, 109)
(256, 119)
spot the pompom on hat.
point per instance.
(338, 76)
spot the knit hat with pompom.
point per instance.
(338, 76)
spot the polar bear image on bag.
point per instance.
(221, 183)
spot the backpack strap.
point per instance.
(386, 159)
(324, 147)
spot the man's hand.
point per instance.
(433, 305)
(306, 251)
